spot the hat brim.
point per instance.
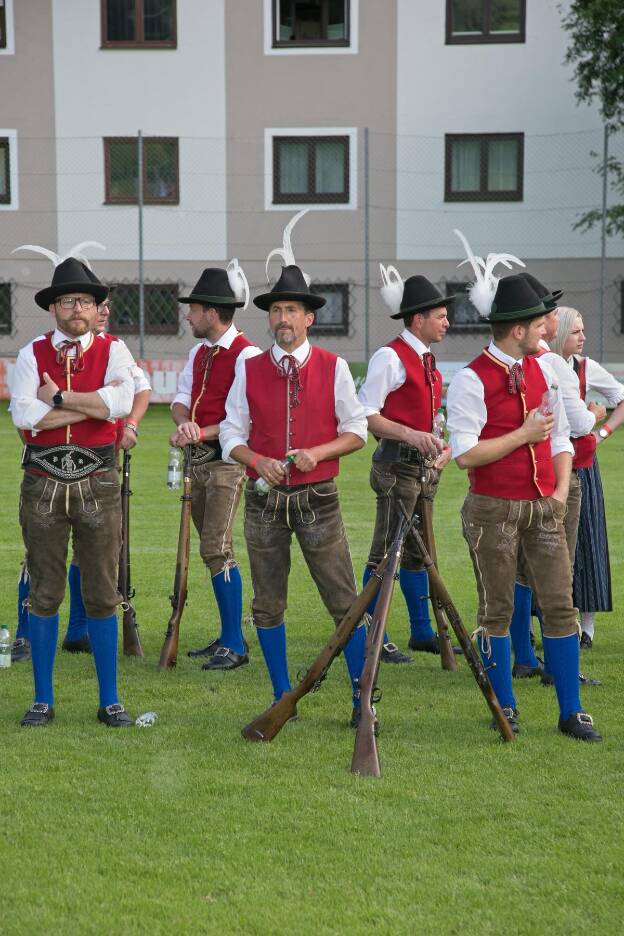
(519, 316)
(266, 300)
(424, 306)
(211, 300)
(45, 297)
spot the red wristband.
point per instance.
(202, 435)
(607, 429)
(254, 461)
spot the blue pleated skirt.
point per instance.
(592, 573)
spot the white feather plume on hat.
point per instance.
(238, 281)
(57, 259)
(286, 251)
(483, 289)
(393, 287)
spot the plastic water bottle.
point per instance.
(146, 720)
(439, 425)
(5, 648)
(174, 469)
(262, 486)
(549, 398)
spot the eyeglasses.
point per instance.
(69, 302)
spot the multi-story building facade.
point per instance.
(394, 122)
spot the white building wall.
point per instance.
(493, 88)
(163, 92)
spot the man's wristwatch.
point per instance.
(605, 432)
(57, 399)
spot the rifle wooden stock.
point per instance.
(471, 654)
(131, 641)
(270, 722)
(169, 652)
(365, 759)
(447, 657)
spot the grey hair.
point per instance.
(566, 317)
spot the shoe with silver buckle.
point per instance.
(20, 650)
(226, 659)
(38, 715)
(586, 641)
(390, 653)
(579, 725)
(511, 714)
(114, 716)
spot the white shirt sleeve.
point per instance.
(118, 399)
(140, 379)
(185, 380)
(234, 429)
(385, 373)
(580, 418)
(350, 413)
(603, 382)
(560, 435)
(466, 411)
(26, 410)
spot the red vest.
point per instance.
(584, 446)
(415, 403)
(526, 473)
(211, 387)
(91, 432)
(277, 425)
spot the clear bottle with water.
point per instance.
(262, 486)
(146, 720)
(439, 425)
(174, 469)
(549, 399)
(5, 648)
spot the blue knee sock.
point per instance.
(229, 595)
(272, 642)
(77, 626)
(368, 571)
(563, 655)
(540, 619)
(498, 664)
(520, 627)
(354, 655)
(103, 637)
(23, 591)
(43, 634)
(415, 588)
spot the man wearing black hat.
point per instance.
(68, 389)
(295, 402)
(401, 396)
(509, 430)
(197, 411)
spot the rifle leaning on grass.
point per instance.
(447, 657)
(169, 652)
(131, 641)
(365, 759)
(270, 722)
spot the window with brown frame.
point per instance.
(311, 169)
(132, 24)
(3, 37)
(161, 184)
(485, 21)
(310, 23)
(461, 313)
(161, 309)
(6, 309)
(333, 317)
(484, 167)
(5, 171)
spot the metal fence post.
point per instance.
(603, 241)
(366, 250)
(141, 277)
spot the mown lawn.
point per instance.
(186, 828)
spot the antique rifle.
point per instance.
(169, 652)
(447, 656)
(131, 640)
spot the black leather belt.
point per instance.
(390, 451)
(205, 452)
(68, 462)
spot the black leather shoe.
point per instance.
(586, 641)
(226, 659)
(20, 650)
(579, 725)
(589, 680)
(114, 716)
(521, 671)
(38, 715)
(355, 718)
(432, 645)
(82, 645)
(390, 653)
(511, 715)
(211, 648)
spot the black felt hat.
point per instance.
(420, 295)
(515, 300)
(290, 286)
(213, 288)
(71, 276)
(549, 297)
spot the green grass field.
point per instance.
(186, 828)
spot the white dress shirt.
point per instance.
(386, 373)
(235, 427)
(137, 373)
(580, 418)
(185, 380)
(467, 412)
(27, 411)
(601, 381)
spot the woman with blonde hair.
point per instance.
(592, 573)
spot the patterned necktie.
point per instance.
(207, 357)
(288, 367)
(76, 362)
(516, 379)
(429, 363)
